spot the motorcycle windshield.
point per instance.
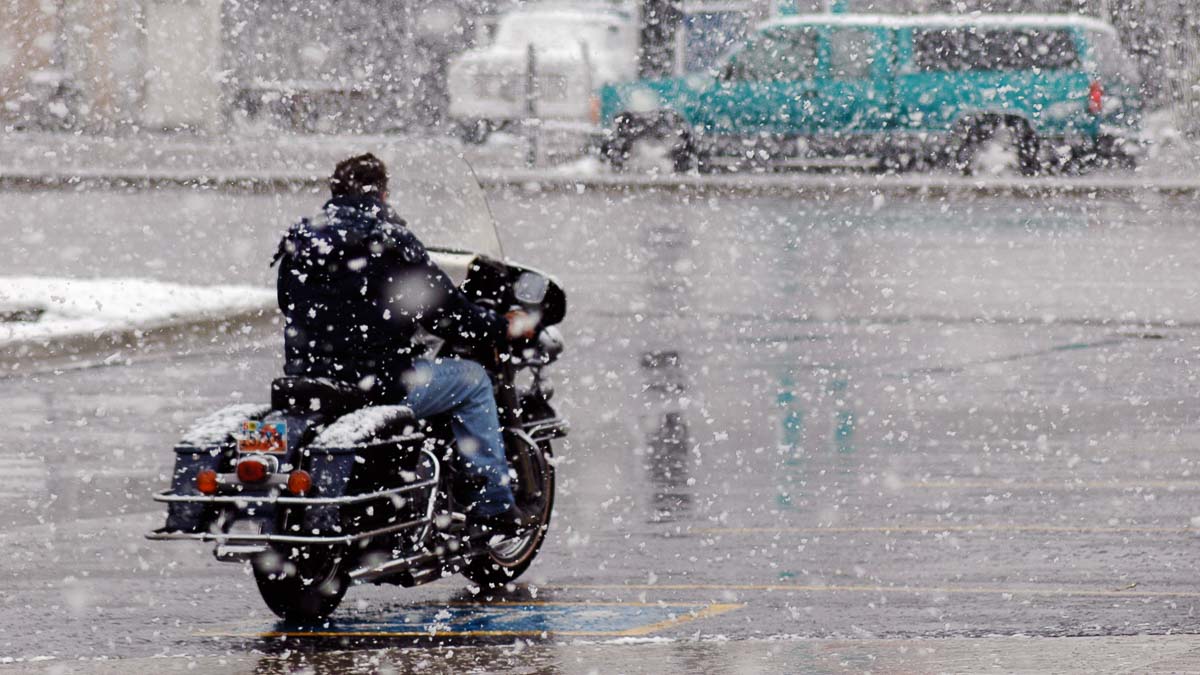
(435, 190)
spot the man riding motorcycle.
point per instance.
(355, 285)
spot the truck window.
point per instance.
(962, 49)
(851, 53)
(785, 55)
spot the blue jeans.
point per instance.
(463, 389)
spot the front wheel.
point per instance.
(301, 585)
(509, 558)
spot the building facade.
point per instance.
(379, 65)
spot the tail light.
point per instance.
(299, 483)
(206, 482)
(594, 109)
(1096, 98)
(252, 471)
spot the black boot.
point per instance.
(511, 522)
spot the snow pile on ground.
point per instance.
(44, 308)
(1170, 150)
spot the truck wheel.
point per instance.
(996, 147)
(897, 161)
(615, 151)
(301, 585)
(1112, 153)
(683, 159)
(655, 145)
(509, 559)
(653, 154)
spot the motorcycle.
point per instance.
(319, 490)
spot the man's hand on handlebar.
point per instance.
(521, 325)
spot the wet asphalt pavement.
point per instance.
(827, 418)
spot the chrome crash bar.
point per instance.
(223, 537)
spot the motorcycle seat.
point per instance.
(316, 395)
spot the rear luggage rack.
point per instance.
(249, 538)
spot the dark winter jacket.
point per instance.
(354, 285)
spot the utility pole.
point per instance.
(659, 23)
(531, 96)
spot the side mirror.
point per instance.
(531, 288)
(726, 72)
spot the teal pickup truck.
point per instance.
(1056, 91)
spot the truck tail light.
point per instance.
(594, 109)
(1096, 98)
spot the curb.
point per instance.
(116, 179)
(550, 180)
(22, 357)
(811, 184)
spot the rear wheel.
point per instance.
(895, 160)
(997, 147)
(509, 558)
(655, 146)
(303, 584)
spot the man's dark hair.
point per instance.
(359, 176)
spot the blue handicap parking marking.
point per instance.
(527, 618)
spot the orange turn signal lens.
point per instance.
(299, 483)
(206, 482)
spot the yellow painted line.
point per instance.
(1054, 485)
(949, 590)
(938, 529)
(556, 603)
(709, 610)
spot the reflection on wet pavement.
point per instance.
(440, 622)
(667, 439)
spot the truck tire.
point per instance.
(631, 131)
(896, 161)
(980, 133)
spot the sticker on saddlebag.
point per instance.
(263, 437)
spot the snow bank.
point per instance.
(1169, 148)
(45, 308)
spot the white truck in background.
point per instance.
(578, 47)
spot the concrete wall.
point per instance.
(28, 45)
(68, 63)
(183, 65)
